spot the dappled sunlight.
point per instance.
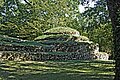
(64, 70)
(108, 73)
(59, 39)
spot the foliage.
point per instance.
(114, 11)
(103, 36)
(95, 24)
(36, 17)
(17, 15)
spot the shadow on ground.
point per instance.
(56, 70)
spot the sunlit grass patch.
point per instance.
(57, 70)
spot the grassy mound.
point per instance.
(62, 30)
(58, 37)
(62, 34)
(61, 37)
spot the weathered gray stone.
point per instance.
(42, 56)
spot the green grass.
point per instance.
(66, 30)
(62, 37)
(56, 36)
(56, 70)
(5, 40)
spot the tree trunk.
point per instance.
(114, 12)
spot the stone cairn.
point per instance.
(71, 48)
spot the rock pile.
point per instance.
(58, 46)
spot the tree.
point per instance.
(14, 18)
(95, 24)
(33, 17)
(114, 11)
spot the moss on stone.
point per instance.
(82, 38)
(58, 37)
(62, 34)
(62, 30)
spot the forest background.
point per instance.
(27, 19)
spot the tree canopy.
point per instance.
(38, 16)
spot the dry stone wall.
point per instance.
(67, 51)
(43, 56)
(61, 43)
